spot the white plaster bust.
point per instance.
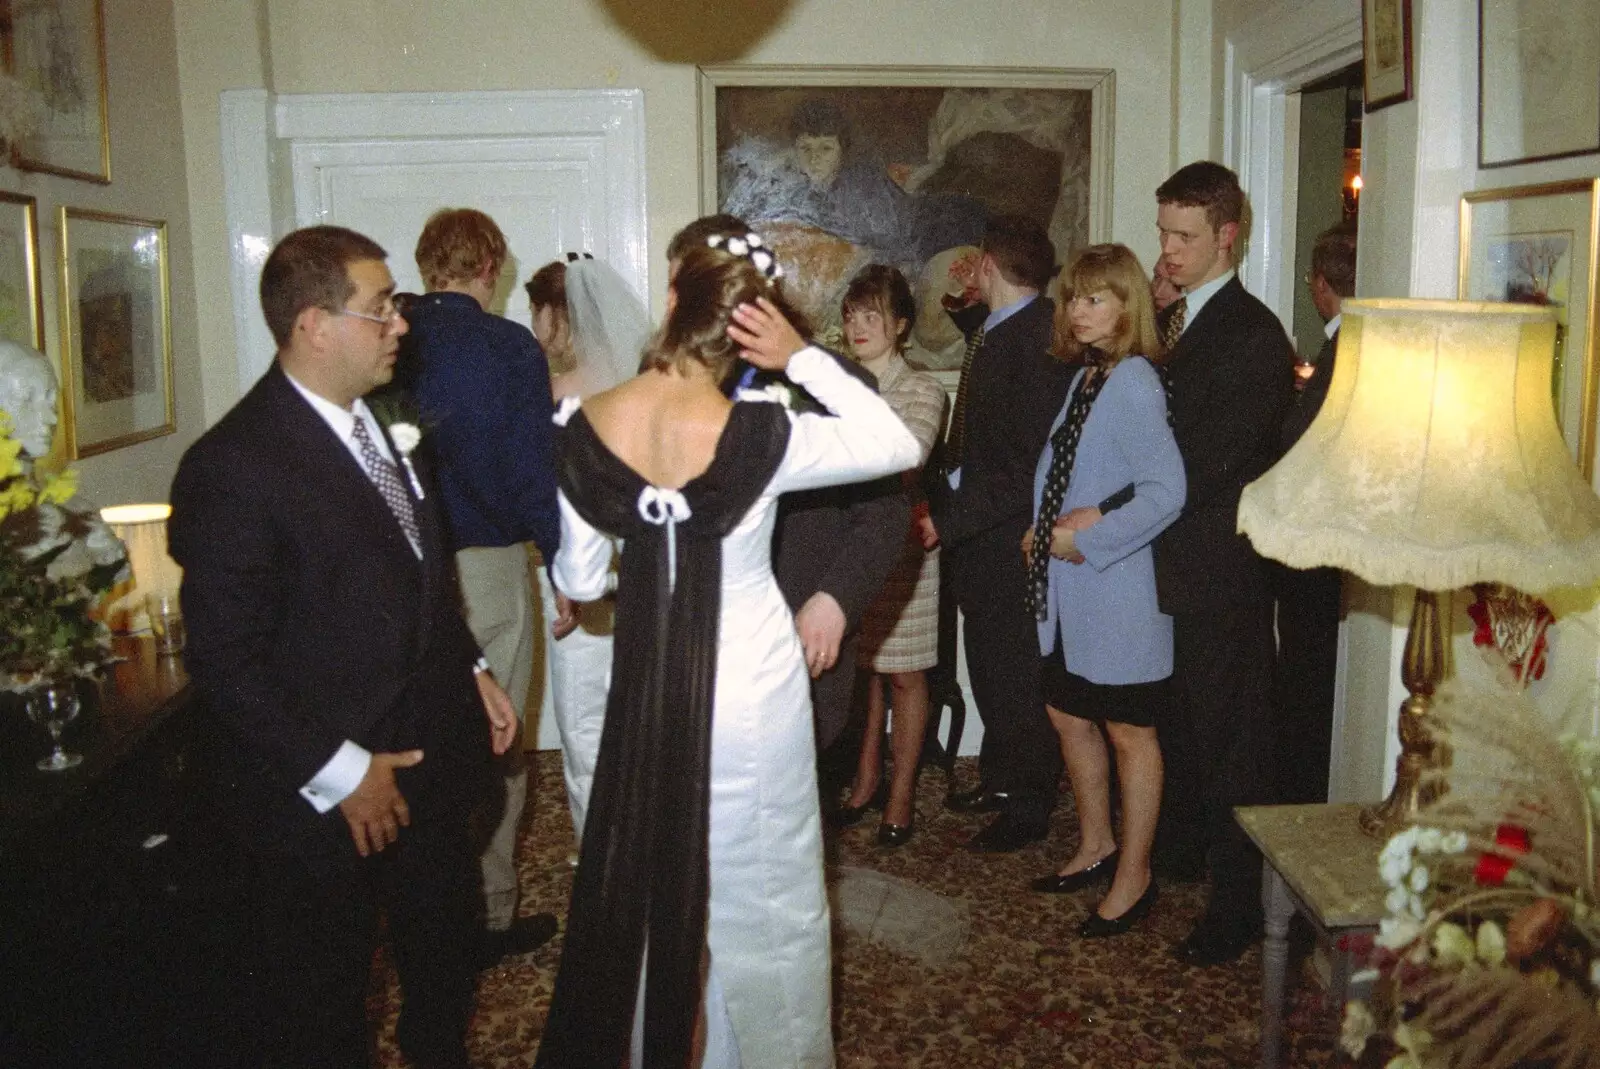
(28, 395)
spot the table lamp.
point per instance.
(1436, 462)
(143, 528)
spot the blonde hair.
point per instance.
(1115, 268)
(710, 283)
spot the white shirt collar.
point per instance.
(342, 421)
(1196, 299)
(1331, 327)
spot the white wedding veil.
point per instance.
(609, 325)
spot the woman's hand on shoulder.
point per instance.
(765, 338)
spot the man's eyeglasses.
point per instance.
(386, 315)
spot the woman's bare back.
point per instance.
(663, 425)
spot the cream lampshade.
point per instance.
(143, 528)
(1435, 461)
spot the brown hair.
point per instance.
(1333, 256)
(1207, 185)
(707, 226)
(310, 269)
(547, 288)
(816, 117)
(710, 284)
(1115, 268)
(456, 245)
(1021, 250)
(881, 288)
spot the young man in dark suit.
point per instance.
(833, 548)
(1011, 390)
(326, 641)
(1230, 372)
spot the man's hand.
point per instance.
(930, 533)
(765, 338)
(566, 621)
(376, 810)
(501, 713)
(1027, 548)
(820, 622)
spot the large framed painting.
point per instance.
(1385, 52)
(844, 166)
(21, 303)
(1537, 245)
(116, 337)
(57, 50)
(1538, 80)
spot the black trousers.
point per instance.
(1303, 680)
(1020, 753)
(1216, 738)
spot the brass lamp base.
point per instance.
(1421, 670)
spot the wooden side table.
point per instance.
(1319, 863)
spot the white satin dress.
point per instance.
(768, 927)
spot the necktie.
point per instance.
(956, 443)
(386, 477)
(1177, 314)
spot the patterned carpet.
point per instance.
(1019, 989)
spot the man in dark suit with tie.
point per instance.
(1230, 373)
(1308, 599)
(327, 643)
(1011, 391)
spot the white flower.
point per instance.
(737, 247)
(1419, 879)
(715, 241)
(762, 259)
(1454, 842)
(1397, 932)
(1397, 900)
(405, 436)
(1429, 840)
(754, 240)
(1491, 944)
(1357, 1028)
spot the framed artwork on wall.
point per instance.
(839, 167)
(1538, 80)
(21, 300)
(1537, 245)
(116, 337)
(57, 50)
(1386, 52)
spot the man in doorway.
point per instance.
(1010, 392)
(1230, 370)
(1308, 600)
(483, 387)
(327, 645)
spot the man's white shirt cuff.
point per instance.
(339, 778)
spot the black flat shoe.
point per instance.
(848, 816)
(896, 834)
(978, 800)
(1059, 884)
(1095, 926)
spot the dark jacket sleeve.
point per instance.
(1249, 402)
(875, 524)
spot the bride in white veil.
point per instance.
(593, 329)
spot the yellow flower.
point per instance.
(1452, 946)
(1491, 944)
(58, 489)
(10, 457)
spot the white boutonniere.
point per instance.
(406, 436)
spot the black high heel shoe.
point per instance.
(1058, 884)
(896, 834)
(848, 816)
(1095, 926)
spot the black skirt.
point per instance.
(1136, 704)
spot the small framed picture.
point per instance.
(1537, 245)
(57, 50)
(1538, 80)
(21, 305)
(1386, 50)
(116, 338)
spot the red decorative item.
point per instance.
(1513, 624)
(1493, 868)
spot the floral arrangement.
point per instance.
(1490, 954)
(56, 564)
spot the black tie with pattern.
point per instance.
(386, 477)
(1177, 314)
(956, 443)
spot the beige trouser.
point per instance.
(497, 593)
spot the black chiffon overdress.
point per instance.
(643, 873)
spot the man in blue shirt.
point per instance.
(484, 391)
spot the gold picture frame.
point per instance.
(1386, 49)
(21, 295)
(116, 331)
(57, 49)
(1540, 244)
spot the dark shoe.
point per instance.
(848, 816)
(1095, 926)
(525, 935)
(978, 800)
(896, 834)
(1060, 883)
(1006, 833)
(1214, 944)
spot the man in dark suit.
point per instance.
(1308, 599)
(833, 548)
(1230, 373)
(1011, 390)
(327, 643)
(484, 392)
